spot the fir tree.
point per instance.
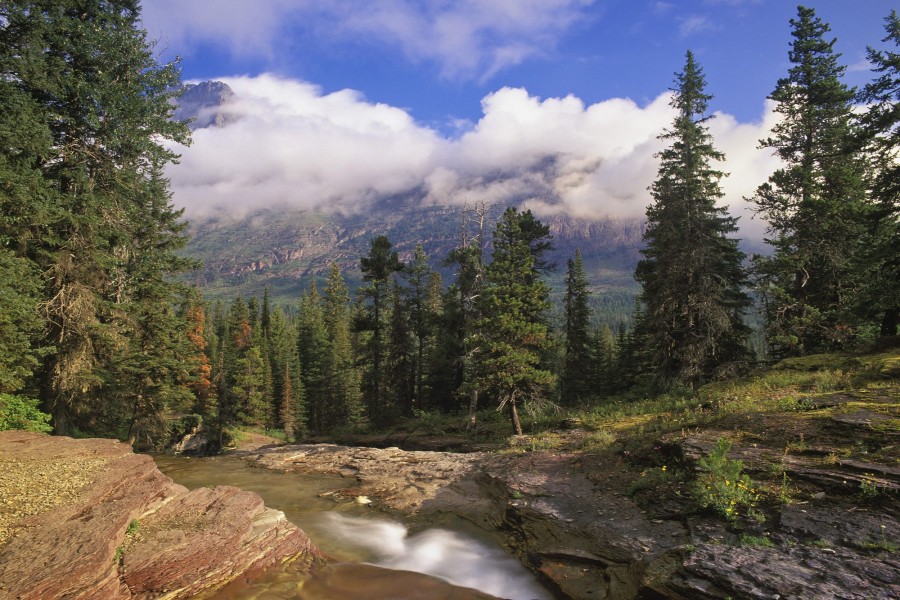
(343, 380)
(575, 382)
(87, 202)
(879, 253)
(377, 267)
(420, 297)
(401, 367)
(314, 350)
(691, 273)
(513, 330)
(200, 369)
(813, 204)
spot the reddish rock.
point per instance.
(82, 546)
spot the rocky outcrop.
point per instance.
(585, 538)
(90, 519)
(590, 530)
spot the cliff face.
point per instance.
(90, 519)
(205, 103)
(283, 248)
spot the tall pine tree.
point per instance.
(691, 273)
(814, 203)
(90, 111)
(377, 267)
(575, 384)
(879, 254)
(513, 333)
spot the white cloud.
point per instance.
(292, 145)
(244, 29)
(694, 24)
(465, 38)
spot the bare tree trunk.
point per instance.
(473, 407)
(514, 414)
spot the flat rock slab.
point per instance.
(90, 519)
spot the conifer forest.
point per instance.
(102, 335)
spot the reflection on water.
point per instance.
(343, 532)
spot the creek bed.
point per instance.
(375, 558)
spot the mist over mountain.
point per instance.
(286, 200)
(204, 104)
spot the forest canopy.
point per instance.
(97, 330)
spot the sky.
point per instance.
(555, 102)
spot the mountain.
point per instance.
(205, 103)
(287, 248)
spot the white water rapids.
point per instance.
(452, 556)
(351, 539)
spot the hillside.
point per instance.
(286, 249)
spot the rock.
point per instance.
(128, 529)
(574, 552)
(719, 571)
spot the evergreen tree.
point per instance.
(455, 356)
(343, 380)
(603, 356)
(421, 298)
(87, 201)
(691, 275)
(575, 382)
(314, 351)
(401, 366)
(20, 322)
(200, 370)
(879, 254)
(814, 203)
(377, 268)
(513, 330)
(287, 385)
(287, 407)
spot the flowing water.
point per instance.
(377, 558)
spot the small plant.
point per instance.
(132, 527)
(120, 552)
(650, 478)
(722, 486)
(868, 486)
(796, 446)
(784, 492)
(883, 544)
(598, 440)
(756, 540)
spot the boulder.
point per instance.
(90, 519)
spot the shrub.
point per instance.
(17, 412)
(722, 486)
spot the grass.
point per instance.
(756, 540)
(132, 527)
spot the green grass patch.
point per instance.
(756, 540)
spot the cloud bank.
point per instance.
(291, 145)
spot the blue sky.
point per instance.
(593, 49)
(557, 102)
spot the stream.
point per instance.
(376, 558)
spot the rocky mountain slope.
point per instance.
(286, 249)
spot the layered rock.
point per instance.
(580, 523)
(90, 519)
